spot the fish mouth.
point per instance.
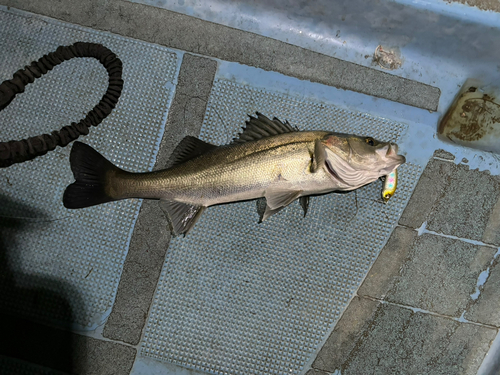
(393, 149)
(388, 150)
(392, 153)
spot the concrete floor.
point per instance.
(421, 309)
(428, 305)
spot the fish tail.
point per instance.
(91, 171)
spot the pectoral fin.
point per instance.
(182, 216)
(318, 158)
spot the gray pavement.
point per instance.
(400, 341)
(420, 308)
(430, 302)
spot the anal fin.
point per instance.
(182, 216)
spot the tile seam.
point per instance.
(416, 310)
(422, 230)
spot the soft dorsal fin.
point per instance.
(182, 216)
(261, 127)
(189, 148)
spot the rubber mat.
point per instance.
(9, 366)
(65, 265)
(238, 297)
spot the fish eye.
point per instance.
(371, 141)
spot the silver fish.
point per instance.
(268, 159)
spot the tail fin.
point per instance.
(90, 169)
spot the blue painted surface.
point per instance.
(442, 44)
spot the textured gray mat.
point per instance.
(9, 366)
(237, 297)
(61, 264)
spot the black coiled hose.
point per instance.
(19, 151)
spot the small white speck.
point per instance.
(462, 318)
(421, 230)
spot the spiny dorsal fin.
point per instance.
(182, 216)
(189, 148)
(261, 127)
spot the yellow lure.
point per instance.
(390, 185)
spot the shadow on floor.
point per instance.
(34, 315)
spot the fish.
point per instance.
(269, 159)
(390, 185)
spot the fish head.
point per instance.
(356, 161)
